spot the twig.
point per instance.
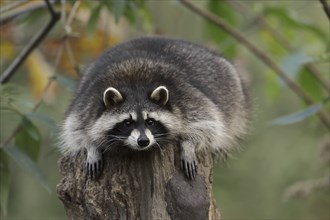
(326, 8)
(285, 43)
(72, 60)
(259, 53)
(9, 72)
(68, 32)
(51, 79)
(305, 188)
(72, 14)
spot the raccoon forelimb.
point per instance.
(188, 160)
(94, 163)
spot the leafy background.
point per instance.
(282, 171)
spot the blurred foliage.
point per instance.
(224, 41)
(281, 152)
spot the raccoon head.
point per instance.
(137, 126)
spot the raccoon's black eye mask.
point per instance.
(128, 122)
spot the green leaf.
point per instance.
(268, 43)
(288, 18)
(9, 95)
(292, 63)
(92, 22)
(48, 121)
(225, 42)
(298, 116)
(118, 8)
(4, 182)
(127, 8)
(9, 110)
(9, 89)
(27, 164)
(107, 4)
(311, 85)
(66, 82)
(325, 57)
(146, 18)
(30, 128)
(131, 12)
(272, 86)
(87, 4)
(12, 98)
(29, 139)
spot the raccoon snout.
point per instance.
(143, 141)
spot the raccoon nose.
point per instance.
(143, 141)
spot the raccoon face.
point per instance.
(138, 131)
(138, 128)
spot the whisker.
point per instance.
(109, 146)
(108, 142)
(160, 136)
(115, 136)
(160, 148)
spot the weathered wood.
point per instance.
(141, 185)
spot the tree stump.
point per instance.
(140, 185)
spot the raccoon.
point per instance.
(148, 91)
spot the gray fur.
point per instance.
(203, 101)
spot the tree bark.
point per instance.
(141, 185)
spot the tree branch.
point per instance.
(242, 8)
(9, 72)
(257, 52)
(139, 185)
(326, 8)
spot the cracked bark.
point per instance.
(141, 185)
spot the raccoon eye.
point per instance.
(128, 123)
(150, 122)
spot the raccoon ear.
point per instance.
(112, 96)
(160, 95)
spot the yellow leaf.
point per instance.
(7, 50)
(39, 73)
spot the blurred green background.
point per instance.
(281, 171)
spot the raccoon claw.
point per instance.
(94, 167)
(189, 168)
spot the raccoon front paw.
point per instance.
(189, 167)
(94, 165)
